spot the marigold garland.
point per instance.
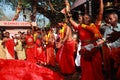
(47, 37)
(62, 31)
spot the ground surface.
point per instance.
(74, 76)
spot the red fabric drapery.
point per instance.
(23, 70)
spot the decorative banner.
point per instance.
(16, 23)
(77, 3)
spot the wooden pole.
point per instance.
(90, 8)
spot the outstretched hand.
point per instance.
(67, 6)
(113, 36)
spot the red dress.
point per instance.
(30, 49)
(40, 53)
(50, 50)
(65, 57)
(9, 44)
(50, 54)
(91, 63)
(115, 55)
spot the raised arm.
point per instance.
(100, 14)
(32, 27)
(73, 23)
(69, 16)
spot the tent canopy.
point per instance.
(77, 3)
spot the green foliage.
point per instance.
(51, 13)
(48, 25)
(26, 3)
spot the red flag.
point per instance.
(77, 3)
(63, 10)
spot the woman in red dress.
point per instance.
(9, 46)
(50, 48)
(30, 47)
(91, 60)
(40, 53)
(66, 48)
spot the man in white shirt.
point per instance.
(111, 48)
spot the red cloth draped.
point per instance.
(108, 55)
(23, 70)
(30, 54)
(29, 40)
(118, 73)
(30, 49)
(91, 69)
(106, 58)
(93, 28)
(50, 55)
(65, 57)
(115, 55)
(9, 44)
(40, 53)
(40, 56)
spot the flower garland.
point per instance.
(62, 31)
(47, 37)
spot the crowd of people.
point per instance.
(99, 48)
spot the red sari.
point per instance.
(50, 50)
(40, 53)
(65, 57)
(91, 63)
(23, 70)
(30, 49)
(115, 55)
(106, 60)
(9, 44)
(50, 55)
